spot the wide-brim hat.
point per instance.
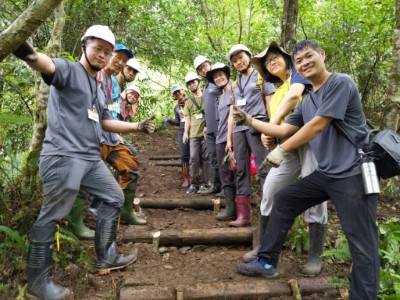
(215, 68)
(259, 59)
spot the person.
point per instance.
(129, 73)
(194, 125)
(334, 99)
(179, 95)
(210, 95)
(219, 75)
(252, 94)
(275, 66)
(110, 87)
(130, 101)
(70, 157)
(113, 147)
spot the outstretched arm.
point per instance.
(37, 61)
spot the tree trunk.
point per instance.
(391, 119)
(23, 27)
(289, 24)
(213, 236)
(251, 289)
(30, 167)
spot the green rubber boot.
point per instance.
(127, 213)
(75, 221)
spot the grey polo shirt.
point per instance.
(210, 95)
(70, 132)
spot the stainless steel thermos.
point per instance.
(370, 176)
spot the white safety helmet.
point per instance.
(101, 32)
(236, 49)
(131, 87)
(191, 76)
(218, 67)
(134, 64)
(175, 87)
(199, 60)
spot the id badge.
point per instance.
(198, 117)
(241, 102)
(93, 115)
(115, 107)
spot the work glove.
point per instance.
(240, 117)
(185, 138)
(26, 53)
(274, 158)
(147, 126)
(229, 160)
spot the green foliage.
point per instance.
(391, 189)
(340, 251)
(389, 248)
(297, 238)
(16, 239)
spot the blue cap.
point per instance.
(120, 47)
(175, 88)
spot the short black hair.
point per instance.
(302, 45)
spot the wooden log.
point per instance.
(214, 236)
(168, 164)
(251, 289)
(203, 203)
(167, 157)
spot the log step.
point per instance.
(203, 203)
(167, 157)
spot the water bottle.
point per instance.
(370, 176)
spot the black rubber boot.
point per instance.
(229, 213)
(40, 284)
(262, 227)
(105, 241)
(216, 183)
(317, 241)
(128, 215)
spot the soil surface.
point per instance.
(175, 267)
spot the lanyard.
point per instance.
(94, 95)
(241, 90)
(109, 87)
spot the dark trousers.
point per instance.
(357, 214)
(212, 151)
(184, 148)
(226, 176)
(244, 143)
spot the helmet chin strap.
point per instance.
(93, 67)
(245, 70)
(124, 76)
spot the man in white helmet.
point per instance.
(252, 94)
(70, 157)
(129, 73)
(194, 126)
(210, 96)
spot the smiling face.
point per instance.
(193, 85)
(203, 68)
(220, 79)
(276, 65)
(178, 95)
(117, 62)
(132, 97)
(310, 63)
(241, 61)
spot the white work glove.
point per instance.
(274, 158)
(185, 138)
(240, 117)
(147, 125)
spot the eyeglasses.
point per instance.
(268, 62)
(99, 50)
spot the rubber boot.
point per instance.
(128, 215)
(185, 175)
(216, 182)
(105, 241)
(243, 209)
(317, 240)
(40, 284)
(229, 213)
(262, 227)
(75, 221)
